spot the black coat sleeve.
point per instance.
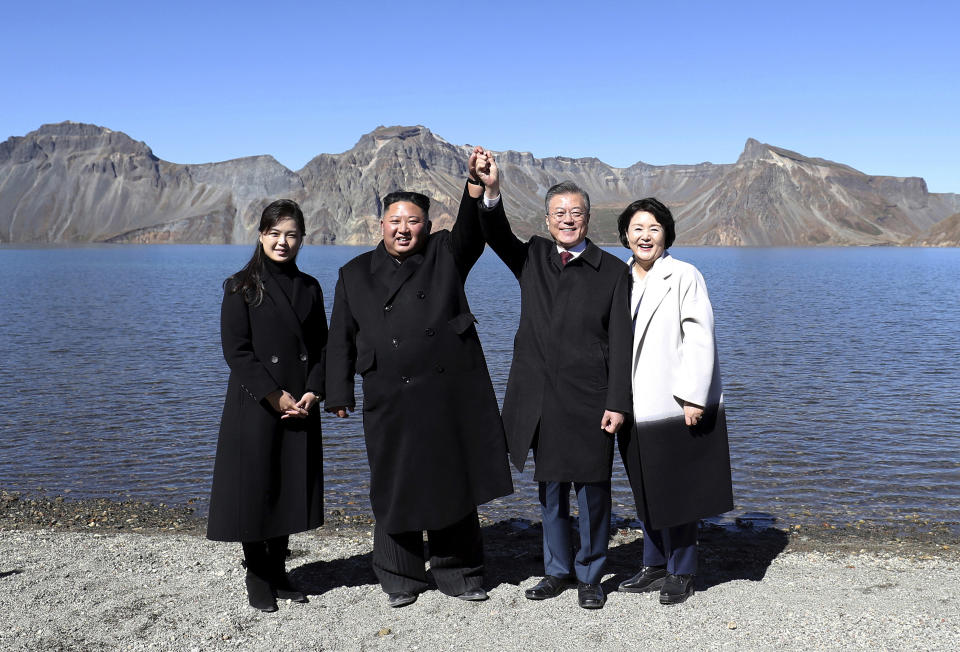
(341, 354)
(620, 330)
(315, 331)
(236, 338)
(498, 234)
(466, 238)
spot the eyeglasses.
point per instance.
(576, 215)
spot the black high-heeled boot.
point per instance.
(279, 580)
(257, 563)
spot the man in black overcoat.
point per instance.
(434, 437)
(569, 385)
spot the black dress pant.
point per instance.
(456, 558)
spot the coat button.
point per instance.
(396, 342)
(421, 294)
(303, 357)
(274, 359)
(388, 307)
(430, 332)
(405, 379)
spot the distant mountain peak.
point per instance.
(382, 135)
(399, 131)
(754, 150)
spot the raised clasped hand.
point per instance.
(483, 167)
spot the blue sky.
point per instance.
(875, 85)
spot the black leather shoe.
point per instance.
(259, 593)
(591, 596)
(650, 578)
(549, 587)
(401, 599)
(474, 595)
(676, 589)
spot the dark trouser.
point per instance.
(673, 547)
(456, 558)
(593, 499)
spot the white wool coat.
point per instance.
(674, 351)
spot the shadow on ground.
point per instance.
(514, 554)
(319, 577)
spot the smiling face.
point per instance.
(567, 219)
(647, 239)
(405, 229)
(282, 241)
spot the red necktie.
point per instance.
(565, 257)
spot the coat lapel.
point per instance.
(653, 295)
(285, 310)
(392, 275)
(301, 299)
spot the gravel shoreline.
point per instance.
(99, 574)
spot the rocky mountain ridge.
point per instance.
(72, 182)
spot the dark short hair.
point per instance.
(414, 198)
(566, 188)
(660, 213)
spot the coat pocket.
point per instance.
(462, 322)
(366, 361)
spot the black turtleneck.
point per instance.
(284, 273)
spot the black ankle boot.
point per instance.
(259, 591)
(282, 586)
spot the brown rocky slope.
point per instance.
(73, 182)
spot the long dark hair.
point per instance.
(249, 280)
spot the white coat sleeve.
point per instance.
(697, 345)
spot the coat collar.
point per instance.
(392, 274)
(591, 255)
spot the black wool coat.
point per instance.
(571, 354)
(268, 474)
(433, 433)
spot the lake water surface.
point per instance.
(840, 369)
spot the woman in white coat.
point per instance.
(676, 453)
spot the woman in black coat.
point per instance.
(268, 475)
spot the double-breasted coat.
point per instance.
(678, 473)
(433, 433)
(571, 354)
(268, 474)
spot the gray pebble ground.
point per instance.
(67, 590)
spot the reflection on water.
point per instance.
(839, 368)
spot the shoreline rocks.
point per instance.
(103, 516)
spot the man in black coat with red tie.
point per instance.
(569, 386)
(434, 438)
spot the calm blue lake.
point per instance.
(840, 369)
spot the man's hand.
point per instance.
(473, 189)
(611, 421)
(341, 412)
(487, 172)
